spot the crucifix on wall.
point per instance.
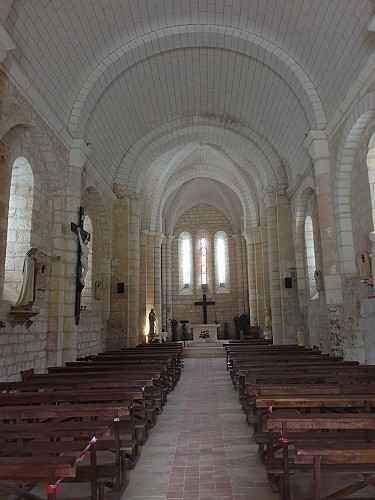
(82, 260)
(205, 303)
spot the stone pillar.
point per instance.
(317, 145)
(78, 154)
(291, 314)
(273, 263)
(157, 281)
(144, 305)
(133, 303)
(167, 273)
(251, 277)
(241, 276)
(117, 327)
(245, 280)
(150, 278)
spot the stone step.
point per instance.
(204, 350)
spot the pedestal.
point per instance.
(198, 328)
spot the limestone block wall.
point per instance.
(23, 133)
(227, 305)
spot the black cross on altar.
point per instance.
(85, 236)
(205, 303)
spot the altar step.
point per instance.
(202, 350)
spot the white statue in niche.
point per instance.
(267, 331)
(300, 337)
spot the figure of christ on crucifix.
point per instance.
(205, 303)
(83, 261)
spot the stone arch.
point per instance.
(221, 37)
(219, 206)
(240, 139)
(240, 181)
(248, 204)
(359, 119)
(25, 140)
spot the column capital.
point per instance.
(248, 236)
(269, 196)
(79, 152)
(316, 144)
(6, 43)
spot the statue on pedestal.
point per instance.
(152, 321)
(29, 276)
(267, 331)
(300, 337)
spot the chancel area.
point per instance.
(187, 173)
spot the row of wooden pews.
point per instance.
(310, 412)
(101, 406)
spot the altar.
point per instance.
(198, 328)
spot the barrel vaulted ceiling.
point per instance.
(168, 92)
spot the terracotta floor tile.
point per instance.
(201, 447)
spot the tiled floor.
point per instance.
(201, 447)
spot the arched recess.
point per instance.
(224, 204)
(305, 192)
(101, 249)
(229, 175)
(33, 143)
(249, 204)
(20, 209)
(219, 37)
(360, 119)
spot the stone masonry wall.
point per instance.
(227, 306)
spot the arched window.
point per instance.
(310, 257)
(221, 262)
(21, 201)
(185, 262)
(203, 247)
(203, 260)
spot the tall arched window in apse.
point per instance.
(221, 262)
(185, 262)
(21, 200)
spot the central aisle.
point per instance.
(201, 447)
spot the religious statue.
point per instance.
(164, 334)
(267, 331)
(184, 332)
(29, 275)
(300, 338)
(152, 321)
(318, 280)
(226, 330)
(84, 258)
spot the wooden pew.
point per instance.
(42, 468)
(46, 431)
(287, 422)
(110, 414)
(129, 442)
(96, 378)
(342, 455)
